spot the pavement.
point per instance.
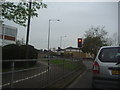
(81, 78)
(65, 81)
(84, 80)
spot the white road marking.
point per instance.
(25, 78)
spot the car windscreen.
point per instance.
(109, 54)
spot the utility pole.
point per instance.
(28, 28)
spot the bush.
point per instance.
(15, 52)
(10, 52)
(30, 51)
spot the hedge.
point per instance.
(15, 52)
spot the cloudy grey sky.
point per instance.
(75, 19)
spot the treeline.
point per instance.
(16, 52)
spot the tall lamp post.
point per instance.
(49, 40)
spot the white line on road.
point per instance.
(25, 78)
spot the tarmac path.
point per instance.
(85, 79)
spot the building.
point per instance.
(72, 49)
(75, 52)
(8, 34)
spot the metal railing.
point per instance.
(38, 76)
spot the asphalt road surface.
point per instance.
(22, 78)
(35, 78)
(85, 79)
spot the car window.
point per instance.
(109, 54)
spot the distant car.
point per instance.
(106, 68)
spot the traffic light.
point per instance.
(79, 42)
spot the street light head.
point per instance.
(54, 19)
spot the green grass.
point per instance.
(69, 65)
(58, 61)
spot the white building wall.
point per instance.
(8, 31)
(6, 42)
(73, 50)
(1, 32)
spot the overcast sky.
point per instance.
(75, 19)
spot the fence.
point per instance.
(40, 75)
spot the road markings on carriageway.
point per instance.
(20, 80)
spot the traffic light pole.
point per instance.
(79, 52)
(79, 41)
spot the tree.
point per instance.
(115, 38)
(19, 12)
(16, 52)
(20, 42)
(95, 38)
(13, 51)
(10, 52)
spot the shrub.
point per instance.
(15, 52)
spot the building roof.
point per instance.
(72, 48)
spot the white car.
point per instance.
(106, 68)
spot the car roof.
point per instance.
(109, 46)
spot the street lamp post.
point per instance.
(49, 39)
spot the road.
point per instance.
(85, 79)
(33, 78)
(24, 76)
(38, 77)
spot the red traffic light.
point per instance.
(79, 42)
